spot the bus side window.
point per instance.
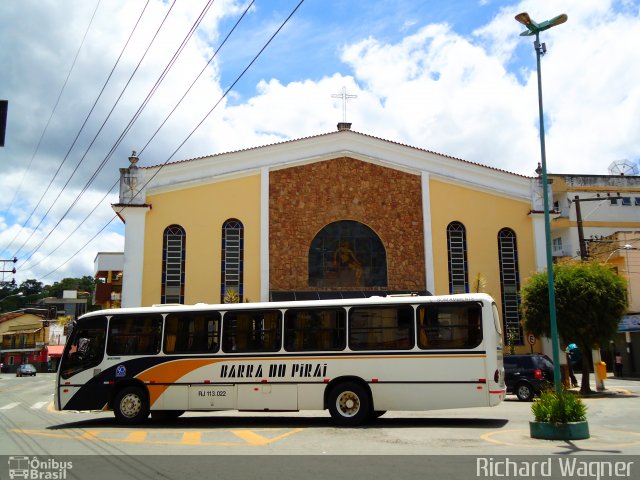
(450, 326)
(381, 328)
(474, 322)
(192, 332)
(311, 329)
(423, 338)
(134, 335)
(252, 331)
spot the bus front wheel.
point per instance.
(349, 404)
(131, 406)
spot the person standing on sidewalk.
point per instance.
(618, 365)
(574, 380)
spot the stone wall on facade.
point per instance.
(304, 199)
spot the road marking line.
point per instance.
(249, 437)
(191, 438)
(39, 405)
(43, 434)
(88, 435)
(592, 442)
(9, 406)
(253, 438)
(135, 437)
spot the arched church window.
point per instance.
(510, 282)
(173, 261)
(457, 251)
(232, 281)
(347, 254)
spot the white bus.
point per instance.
(357, 358)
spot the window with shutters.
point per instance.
(173, 261)
(457, 250)
(510, 282)
(232, 281)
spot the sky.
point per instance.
(89, 81)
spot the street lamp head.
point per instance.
(533, 27)
(524, 19)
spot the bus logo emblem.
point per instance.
(121, 371)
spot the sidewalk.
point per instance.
(610, 389)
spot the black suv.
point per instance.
(527, 375)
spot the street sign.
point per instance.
(532, 339)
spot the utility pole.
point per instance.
(4, 268)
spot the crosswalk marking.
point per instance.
(35, 406)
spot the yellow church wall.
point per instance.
(201, 211)
(483, 216)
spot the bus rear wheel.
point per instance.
(131, 406)
(349, 404)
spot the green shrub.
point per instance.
(563, 408)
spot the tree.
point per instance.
(31, 287)
(590, 301)
(9, 297)
(84, 284)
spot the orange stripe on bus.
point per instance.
(170, 372)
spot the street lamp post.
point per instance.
(534, 28)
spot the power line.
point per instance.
(73, 143)
(46, 127)
(238, 78)
(198, 76)
(193, 29)
(28, 255)
(131, 122)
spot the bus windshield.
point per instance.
(85, 347)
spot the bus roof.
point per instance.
(375, 300)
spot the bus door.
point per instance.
(81, 359)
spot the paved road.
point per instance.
(30, 426)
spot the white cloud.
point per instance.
(441, 92)
(472, 96)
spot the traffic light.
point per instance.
(52, 312)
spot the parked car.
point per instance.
(26, 369)
(527, 375)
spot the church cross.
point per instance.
(344, 96)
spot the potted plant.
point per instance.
(559, 417)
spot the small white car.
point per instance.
(26, 370)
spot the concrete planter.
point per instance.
(559, 431)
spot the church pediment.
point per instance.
(328, 147)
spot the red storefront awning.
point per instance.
(55, 350)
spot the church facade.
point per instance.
(342, 214)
